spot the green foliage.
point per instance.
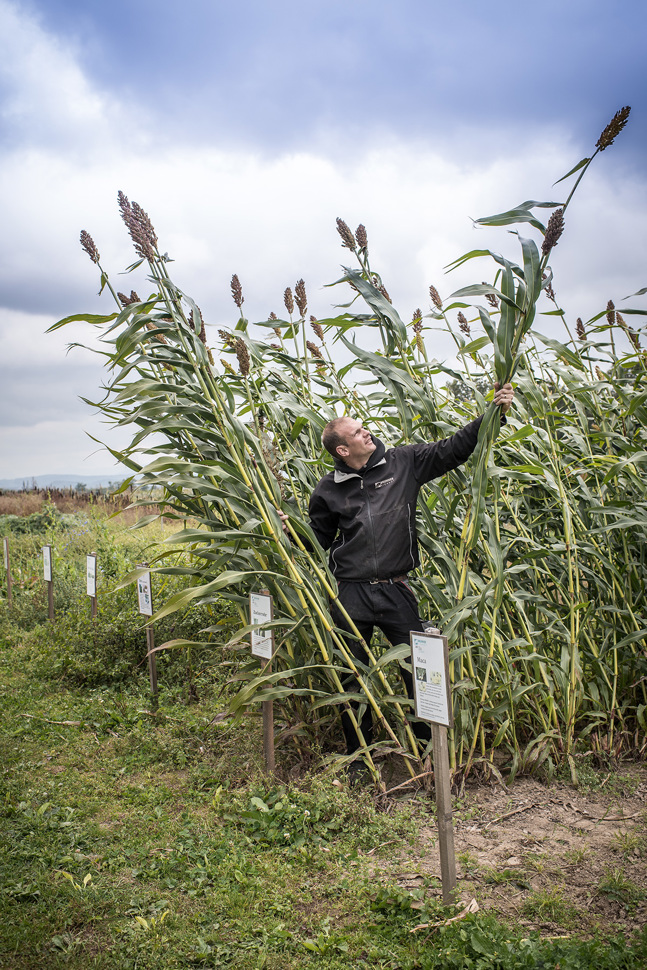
(43, 521)
(533, 558)
(617, 887)
(111, 649)
(301, 820)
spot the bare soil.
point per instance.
(549, 857)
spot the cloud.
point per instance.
(268, 216)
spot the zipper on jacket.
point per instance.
(372, 528)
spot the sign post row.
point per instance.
(91, 580)
(430, 668)
(7, 567)
(47, 575)
(261, 611)
(145, 600)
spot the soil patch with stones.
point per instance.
(549, 857)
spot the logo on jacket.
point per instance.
(385, 481)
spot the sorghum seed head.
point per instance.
(463, 324)
(347, 238)
(88, 244)
(144, 223)
(242, 354)
(314, 350)
(417, 320)
(362, 238)
(128, 300)
(579, 327)
(379, 285)
(227, 366)
(226, 338)
(139, 226)
(190, 321)
(288, 300)
(611, 313)
(300, 297)
(554, 229)
(318, 329)
(277, 332)
(272, 316)
(601, 375)
(210, 356)
(237, 291)
(160, 336)
(613, 129)
(435, 297)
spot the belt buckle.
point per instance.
(374, 582)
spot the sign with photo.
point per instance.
(144, 594)
(91, 575)
(47, 563)
(260, 612)
(430, 668)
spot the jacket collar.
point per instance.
(343, 471)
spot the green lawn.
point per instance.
(141, 839)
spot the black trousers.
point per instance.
(393, 608)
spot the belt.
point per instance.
(393, 579)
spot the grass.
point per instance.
(152, 838)
(146, 839)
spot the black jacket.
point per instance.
(367, 518)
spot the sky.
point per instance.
(245, 129)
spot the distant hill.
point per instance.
(62, 481)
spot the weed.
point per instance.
(629, 843)
(618, 888)
(499, 877)
(550, 906)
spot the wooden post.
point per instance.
(268, 733)
(7, 566)
(261, 610)
(152, 659)
(91, 581)
(145, 599)
(432, 697)
(444, 812)
(49, 579)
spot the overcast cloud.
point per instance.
(245, 132)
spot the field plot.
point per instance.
(141, 838)
(547, 855)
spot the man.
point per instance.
(365, 513)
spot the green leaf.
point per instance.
(576, 168)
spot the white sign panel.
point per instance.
(260, 611)
(91, 575)
(144, 594)
(47, 563)
(5, 545)
(430, 667)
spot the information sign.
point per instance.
(91, 575)
(47, 563)
(144, 594)
(260, 612)
(430, 667)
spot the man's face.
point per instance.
(359, 447)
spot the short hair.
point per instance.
(331, 439)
